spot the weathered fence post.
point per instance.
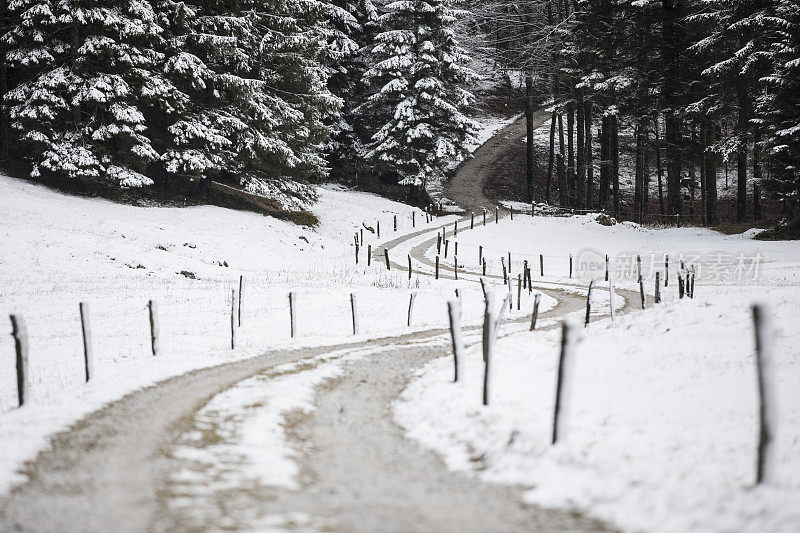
(641, 292)
(519, 290)
(446, 247)
(155, 341)
(354, 313)
(20, 333)
(454, 313)
(496, 214)
(484, 266)
(589, 303)
(658, 288)
(411, 307)
(292, 314)
(413, 219)
(541, 265)
(525, 274)
(509, 263)
(483, 288)
(88, 355)
(666, 270)
(484, 216)
(395, 222)
(472, 220)
(505, 274)
(511, 211)
(386, 255)
(570, 266)
(241, 280)
(563, 377)
(606, 267)
(409, 266)
(766, 374)
(680, 285)
(488, 343)
(233, 318)
(535, 315)
(438, 243)
(437, 267)
(455, 267)
(480, 255)
(356, 253)
(369, 255)
(455, 229)
(378, 228)
(639, 266)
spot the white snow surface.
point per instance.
(662, 420)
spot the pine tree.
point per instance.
(779, 105)
(417, 93)
(85, 70)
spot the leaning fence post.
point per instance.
(88, 356)
(386, 255)
(454, 313)
(411, 307)
(20, 333)
(233, 318)
(488, 343)
(641, 292)
(292, 314)
(241, 280)
(563, 378)
(354, 313)
(589, 303)
(535, 315)
(767, 409)
(152, 311)
(483, 288)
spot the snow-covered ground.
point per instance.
(58, 250)
(661, 423)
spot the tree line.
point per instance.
(269, 95)
(698, 83)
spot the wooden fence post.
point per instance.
(292, 314)
(535, 315)
(454, 313)
(484, 266)
(666, 270)
(505, 275)
(541, 265)
(606, 267)
(155, 341)
(525, 274)
(639, 266)
(589, 303)
(362, 236)
(395, 222)
(496, 214)
(455, 229)
(472, 220)
(413, 219)
(562, 384)
(88, 355)
(233, 318)
(437, 267)
(484, 216)
(455, 249)
(483, 288)
(680, 285)
(409, 266)
(369, 255)
(438, 243)
(509, 263)
(658, 288)
(511, 210)
(356, 253)
(641, 292)
(570, 266)
(378, 227)
(241, 280)
(386, 255)
(480, 255)
(354, 313)
(519, 290)
(455, 267)
(488, 343)
(20, 333)
(766, 374)
(446, 247)
(411, 307)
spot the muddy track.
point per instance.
(110, 471)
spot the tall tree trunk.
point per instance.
(692, 175)
(741, 157)
(587, 118)
(701, 158)
(710, 164)
(659, 169)
(563, 191)
(580, 185)
(640, 191)
(605, 161)
(550, 158)
(757, 175)
(529, 110)
(615, 162)
(671, 46)
(571, 152)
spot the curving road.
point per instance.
(112, 470)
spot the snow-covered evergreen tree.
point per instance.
(86, 69)
(779, 105)
(417, 92)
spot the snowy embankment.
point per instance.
(662, 425)
(58, 250)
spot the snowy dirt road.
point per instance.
(113, 470)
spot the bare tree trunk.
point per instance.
(659, 169)
(711, 178)
(638, 184)
(692, 175)
(580, 185)
(587, 117)
(615, 162)
(605, 162)
(550, 158)
(563, 192)
(571, 152)
(671, 52)
(757, 176)
(529, 110)
(741, 159)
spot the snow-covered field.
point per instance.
(58, 250)
(661, 423)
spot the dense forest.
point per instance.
(275, 95)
